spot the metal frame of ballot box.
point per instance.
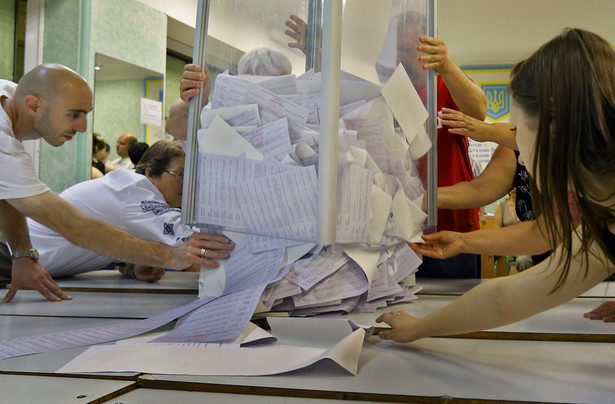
(330, 11)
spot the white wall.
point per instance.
(506, 31)
(477, 32)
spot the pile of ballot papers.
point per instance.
(257, 180)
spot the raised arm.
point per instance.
(25, 272)
(503, 300)
(467, 95)
(193, 79)
(494, 182)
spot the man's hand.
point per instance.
(202, 249)
(442, 245)
(29, 273)
(298, 32)
(401, 326)
(604, 312)
(148, 274)
(437, 57)
(192, 80)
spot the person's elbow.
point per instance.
(478, 108)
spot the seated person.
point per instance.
(98, 151)
(264, 62)
(135, 152)
(505, 215)
(144, 203)
(123, 144)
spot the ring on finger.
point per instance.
(203, 252)
(397, 313)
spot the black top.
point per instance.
(99, 165)
(608, 238)
(523, 207)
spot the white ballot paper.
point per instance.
(12, 347)
(282, 205)
(232, 91)
(243, 115)
(272, 139)
(300, 344)
(285, 84)
(405, 103)
(220, 138)
(306, 273)
(354, 188)
(217, 201)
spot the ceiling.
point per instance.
(477, 32)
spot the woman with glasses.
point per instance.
(144, 203)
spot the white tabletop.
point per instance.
(57, 390)
(95, 304)
(175, 281)
(459, 368)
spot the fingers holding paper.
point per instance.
(464, 125)
(441, 245)
(214, 246)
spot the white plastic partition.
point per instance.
(224, 50)
(330, 92)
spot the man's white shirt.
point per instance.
(122, 162)
(18, 178)
(121, 198)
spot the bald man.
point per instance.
(51, 102)
(123, 145)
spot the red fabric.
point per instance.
(453, 166)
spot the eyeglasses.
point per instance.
(179, 176)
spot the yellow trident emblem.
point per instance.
(498, 100)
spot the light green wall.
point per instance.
(58, 166)
(7, 38)
(175, 68)
(117, 110)
(75, 30)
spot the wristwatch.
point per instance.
(31, 253)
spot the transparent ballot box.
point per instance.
(314, 149)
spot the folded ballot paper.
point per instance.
(298, 343)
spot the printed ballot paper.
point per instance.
(300, 343)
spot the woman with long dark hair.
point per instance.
(564, 111)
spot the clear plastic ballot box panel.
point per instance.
(320, 134)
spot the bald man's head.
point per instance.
(51, 102)
(123, 144)
(50, 80)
